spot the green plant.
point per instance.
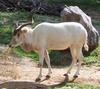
(94, 57)
(19, 52)
(76, 86)
(56, 58)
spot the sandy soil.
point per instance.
(25, 69)
(28, 71)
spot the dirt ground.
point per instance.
(27, 70)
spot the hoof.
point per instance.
(37, 79)
(47, 76)
(39, 65)
(66, 75)
(75, 76)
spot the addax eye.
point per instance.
(18, 34)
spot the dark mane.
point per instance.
(20, 27)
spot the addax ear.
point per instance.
(24, 30)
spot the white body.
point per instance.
(55, 36)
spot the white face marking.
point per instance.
(16, 40)
(23, 36)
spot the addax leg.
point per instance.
(74, 59)
(47, 59)
(80, 57)
(41, 59)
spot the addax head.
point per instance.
(17, 35)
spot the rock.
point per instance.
(74, 13)
(22, 85)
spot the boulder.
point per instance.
(75, 14)
(22, 85)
